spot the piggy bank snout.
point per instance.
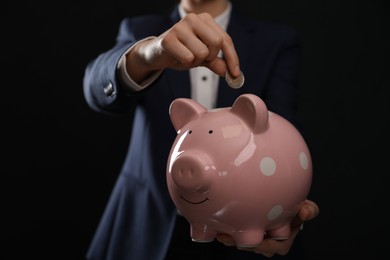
(192, 171)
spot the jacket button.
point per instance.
(109, 90)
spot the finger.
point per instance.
(175, 49)
(308, 211)
(194, 35)
(270, 247)
(204, 27)
(198, 37)
(217, 65)
(200, 51)
(227, 47)
(226, 240)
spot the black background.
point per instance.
(60, 159)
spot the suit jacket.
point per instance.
(140, 216)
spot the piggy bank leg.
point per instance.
(280, 233)
(202, 234)
(248, 238)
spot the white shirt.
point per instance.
(204, 82)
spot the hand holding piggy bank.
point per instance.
(240, 170)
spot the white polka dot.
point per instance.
(267, 166)
(275, 212)
(303, 160)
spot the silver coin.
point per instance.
(237, 82)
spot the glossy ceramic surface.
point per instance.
(240, 170)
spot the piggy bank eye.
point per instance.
(211, 131)
(190, 132)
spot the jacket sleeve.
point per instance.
(102, 87)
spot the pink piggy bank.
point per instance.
(240, 170)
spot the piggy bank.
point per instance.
(240, 170)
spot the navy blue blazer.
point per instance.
(140, 216)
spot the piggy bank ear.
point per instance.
(253, 111)
(184, 110)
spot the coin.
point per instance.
(237, 82)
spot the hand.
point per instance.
(269, 246)
(194, 41)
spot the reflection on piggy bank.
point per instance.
(240, 170)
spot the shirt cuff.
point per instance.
(128, 82)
